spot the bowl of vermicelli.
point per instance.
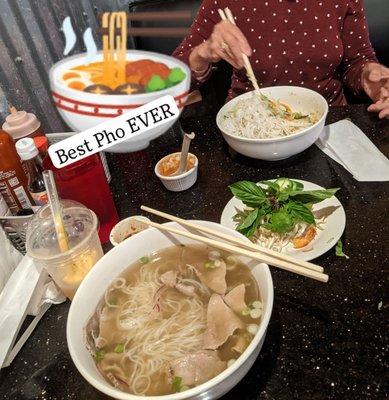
(275, 124)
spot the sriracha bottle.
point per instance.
(13, 180)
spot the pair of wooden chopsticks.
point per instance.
(226, 15)
(237, 246)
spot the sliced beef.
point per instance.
(235, 298)
(197, 368)
(187, 290)
(239, 344)
(105, 325)
(169, 278)
(214, 278)
(222, 322)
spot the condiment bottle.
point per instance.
(42, 144)
(30, 155)
(13, 180)
(20, 124)
(85, 181)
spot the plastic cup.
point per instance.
(70, 267)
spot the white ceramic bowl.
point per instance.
(125, 227)
(114, 263)
(301, 100)
(178, 183)
(82, 110)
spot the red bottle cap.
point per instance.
(41, 143)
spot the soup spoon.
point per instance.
(184, 153)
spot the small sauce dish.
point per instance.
(177, 183)
(126, 228)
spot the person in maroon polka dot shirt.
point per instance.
(319, 44)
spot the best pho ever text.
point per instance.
(114, 131)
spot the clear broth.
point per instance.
(176, 258)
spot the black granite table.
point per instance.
(324, 341)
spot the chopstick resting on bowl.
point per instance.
(319, 276)
(234, 240)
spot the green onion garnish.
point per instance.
(119, 348)
(99, 355)
(144, 260)
(246, 311)
(176, 384)
(113, 302)
(209, 265)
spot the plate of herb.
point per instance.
(291, 216)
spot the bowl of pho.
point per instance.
(276, 124)
(164, 316)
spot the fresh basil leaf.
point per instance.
(312, 196)
(248, 221)
(284, 184)
(280, 221)
(250, 230)
(249, 192)
(300, 212)
(339, 250)
(271, 185)
(240, 216)
(282, 197)
(297, 186)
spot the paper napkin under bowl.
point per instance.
(345, 143)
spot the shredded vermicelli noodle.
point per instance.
(151, 342)
(253, 118)
(278, 242)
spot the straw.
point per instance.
(55, 207)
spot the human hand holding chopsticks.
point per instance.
(226, 42)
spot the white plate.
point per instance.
(325, 239)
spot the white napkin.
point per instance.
(29, 290)
(9, 259)
(345, 143)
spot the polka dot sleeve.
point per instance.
(200, 30)
(357, 48)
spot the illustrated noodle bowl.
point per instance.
(115, 74)
(174, 320)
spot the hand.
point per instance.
(375, 81)
(226, 42)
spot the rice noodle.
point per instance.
(278, 242)
(152, 342)
(253, 118)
